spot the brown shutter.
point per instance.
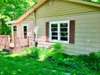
(72, 32)
(47, 31)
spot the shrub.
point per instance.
(57, 53)
(44, 54)
(58, 47)
(92, 61)
(41, 53)
(55, 49)
(98, 55)
(34, 52)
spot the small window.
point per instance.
(14, 28)
(25, 31)
(59, 31)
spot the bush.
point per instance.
(34, 52)
(44, 53)
(57, 53)
(92, 60)
(41, 53)
(58, 47)
(76, 65)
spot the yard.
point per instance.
(73, 23)
(57, 64)
(28, 66)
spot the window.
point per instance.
(25, 31)
(59, 31)
(14, 28)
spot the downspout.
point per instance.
(35, 31)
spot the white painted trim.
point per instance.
(58, 22)
(59, 31)
(25, 24)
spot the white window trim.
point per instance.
(26, 25)
(58, 22)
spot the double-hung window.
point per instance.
(59, 31)
(25, 31)
(14, 28)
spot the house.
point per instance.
(74, 23)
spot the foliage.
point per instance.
(58, 47)
(4, 29)
(27, 66)
(15, 8)
(93, 60)
(96, 1)
(56, 64)
(41, 54)
(44, 54)
(11, 10)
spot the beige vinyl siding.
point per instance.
(20, 40)
(29, 25)
(61, 8)
(31, 17)
(87, 34)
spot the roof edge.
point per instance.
(31, 10)
(85, 3)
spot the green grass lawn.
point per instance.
(58, 65)
(28, 66)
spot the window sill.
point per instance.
(55, 41)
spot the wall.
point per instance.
(87, 19)
(19, 36)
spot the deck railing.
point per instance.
(4, 41)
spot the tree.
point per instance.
(4, 29)
(95, 1)
(11, 10)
